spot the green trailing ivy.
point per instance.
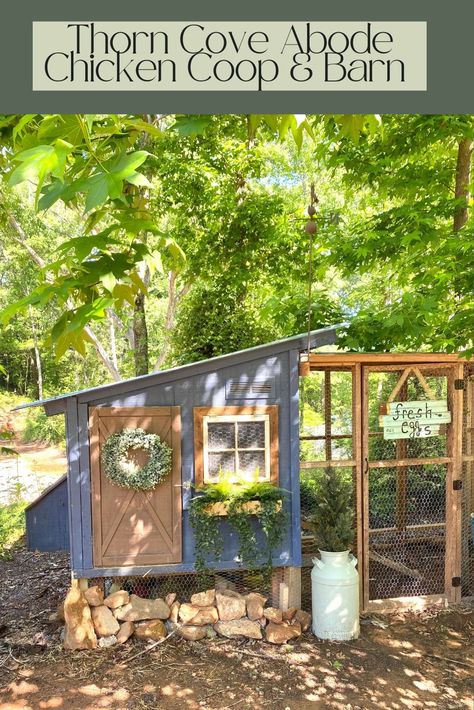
(117, 469)
(271, 519)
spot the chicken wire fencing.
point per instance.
(185, 585)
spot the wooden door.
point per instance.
(410, 507)
(135, 527)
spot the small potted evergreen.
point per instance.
(335, 581)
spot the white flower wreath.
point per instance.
(123, 474)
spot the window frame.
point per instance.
(205, 415)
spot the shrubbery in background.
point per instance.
(43, 429)
(12, 526)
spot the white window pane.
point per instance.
(250, 461)
(251, 435)
(220, 435)
(220, 463)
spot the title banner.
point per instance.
(229, 56)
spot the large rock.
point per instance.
(223, 583)
(79, 630)
(198, 615)
(105, 623)
(139, 609)
(230, 605)
(170, 598)
(126, 630)
(94, 596)
(154, 629)
(120, 598)
(174, 612)
(303, 618)
(107, 641)
(255, 604)
(281, 633)
(273, 614)
(288, 614)
(206, 598)
(239, 627)
(193, 633)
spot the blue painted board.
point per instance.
(47, 520)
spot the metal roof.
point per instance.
(318, 338)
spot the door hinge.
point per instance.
(457, 485)
(456, 582)
(458, 384)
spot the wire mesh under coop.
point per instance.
(185, 585)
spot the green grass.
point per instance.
(12, 527)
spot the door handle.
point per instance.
(366, 466)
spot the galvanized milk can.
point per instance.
(335, 596)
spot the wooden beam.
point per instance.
(327, 415)
(325, 359)
(401, 449)
(406, 603)
(454, 497)
(397, 566)
(357, 425)
(396, 463)
(337, 463)
(364, 565)
(292, 594)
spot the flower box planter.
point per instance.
(252, 507)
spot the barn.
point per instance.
(413, 493)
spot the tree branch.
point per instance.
(21, 238)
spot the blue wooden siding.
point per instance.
(47, 520)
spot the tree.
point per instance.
(103, 166)
(409, 243)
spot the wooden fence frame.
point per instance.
(358, 364)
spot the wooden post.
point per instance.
(327, 415)
(358, 469)
(292, 580)
(277, 577)
(453, 497)
(401, 473)
(81, 582)
(364, 567)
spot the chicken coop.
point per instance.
(399, 427)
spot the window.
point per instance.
(240, 442)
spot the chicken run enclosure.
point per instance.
(413, 497)
(412, 482)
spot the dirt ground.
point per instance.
(422, 660)
(35, 468)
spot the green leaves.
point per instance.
(37, 164)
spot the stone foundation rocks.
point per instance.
(138, 609)
(79, 630)
(105, 623)
(93, 621)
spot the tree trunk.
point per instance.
(174, 299)
(38, 366)
(461, 189)
(140, 332)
